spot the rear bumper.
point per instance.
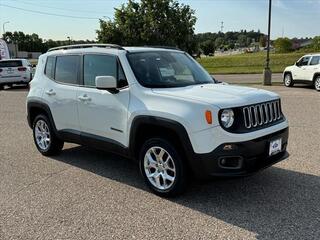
(15, 80)
(246, 157)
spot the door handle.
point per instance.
(50, 92)
(84, 98)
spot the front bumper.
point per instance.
(251, 156)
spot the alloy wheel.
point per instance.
(317, 84)
(42, 135)
(287, 80)
(159, 168)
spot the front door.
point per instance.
(300, 72)
(102, 114)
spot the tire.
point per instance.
(43, 129)
(1, 87)
(288, 81)
(317, 83)
(158, 171)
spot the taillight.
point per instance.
(22, 69)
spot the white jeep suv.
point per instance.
(15, 71)
(157, 106)
(305, 70)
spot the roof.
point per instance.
(13, 59)
(109, 48)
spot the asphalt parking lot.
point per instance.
(88, 194)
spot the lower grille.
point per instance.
(261, 114)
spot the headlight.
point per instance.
(227, 118)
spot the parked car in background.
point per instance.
(305, 70)
(15, 71)
(157, 106)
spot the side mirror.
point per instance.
(106, 83)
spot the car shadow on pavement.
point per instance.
(274, 204)
(16, 88)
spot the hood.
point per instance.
(222, 96)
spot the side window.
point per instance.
(67, 69)
(122, 81)
(98, 65)
(304, 61)
(102, 65)
(315, 60)
(49, 70)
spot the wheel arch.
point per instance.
(34, 108)
(144, 127)
(285, 73)
(315, 75)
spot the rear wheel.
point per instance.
(162, 167)
(317, 83)
(44, 138)
(288, 82)
(1, 87)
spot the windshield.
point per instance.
(164, 69)
(10, 63)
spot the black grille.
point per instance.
(261, 114)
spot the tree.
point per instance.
(316, 43)
(283, 45)
(207, 47)
(242, 40)
(263, 41)
(150, 22)
(219, 42)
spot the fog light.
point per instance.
(229, 147)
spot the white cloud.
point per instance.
(279, 4)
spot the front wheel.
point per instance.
(317, 83)
(288, 81)
(162, 167)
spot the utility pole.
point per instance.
(3, 26)
(267, 74)
(222, 26)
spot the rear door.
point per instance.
(62, 73)
(11, 68)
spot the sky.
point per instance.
(78, 19)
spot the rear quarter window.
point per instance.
(4, 64)
(49, 70)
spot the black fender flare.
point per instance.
(315, 75)
(169, 124)
(31, 104)
(286, 72)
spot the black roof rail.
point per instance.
(164, 47)
(76, 46)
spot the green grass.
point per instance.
(244, 63)
(248, 62)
